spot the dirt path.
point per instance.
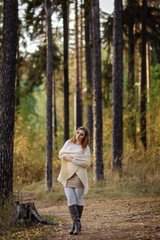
(123, 218)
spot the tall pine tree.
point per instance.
(117, 88)
(143, 76)
(97, 91)
(49, 96)
(65, 8)
(7, 97)
(88, 53)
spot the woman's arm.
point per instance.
(65, 146)
(76, 162)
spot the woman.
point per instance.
(75, 159)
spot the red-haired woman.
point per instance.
(75, 159)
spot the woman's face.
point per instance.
(80, 136)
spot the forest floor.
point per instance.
(106, 218)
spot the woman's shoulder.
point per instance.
(66, 144)
(87, 150)
(68, 141)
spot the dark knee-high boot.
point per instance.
(72, 228)
(73, 225)
(76, 227)
(80, 210)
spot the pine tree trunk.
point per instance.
(17, 80)
(81, 61)
(49, 96)
(143, 77)
(54, 112)
(117, 88)
(148, 63)
(139, 83)
(78, 112)
(88, 67)
(65, 7)
(7, 97)
(131, 90)
(97, 99)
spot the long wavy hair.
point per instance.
(85, 140)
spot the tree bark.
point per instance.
(65, 7)
(54, 111)
(81, 60)
(97, 98)
(49, 96)
(88, 67)
(131, 89)
(143, 77)
(17, 80)
(148, 66)
(117, 88)
(78, 106)
(7, 97)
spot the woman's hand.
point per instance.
(67, 158)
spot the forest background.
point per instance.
(140, 171)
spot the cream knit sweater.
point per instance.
(79, 164)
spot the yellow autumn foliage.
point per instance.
(29, 154)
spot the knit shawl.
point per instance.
(68, 169)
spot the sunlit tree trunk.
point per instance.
(78, 106)
(148, 65)
(7, 97)
(54, 111)
(65, 7)
(81, 59)
(139, 82)
(143, 77)
(149, 114)
(117, 88)
(88, 61)
(97, 91)
(49, 96)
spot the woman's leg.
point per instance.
(79, 192)
(71, 196)
(79, 196)
(72, 205)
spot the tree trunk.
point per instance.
(88, 67)
(131, 89)
(27, 214)
(139, 82)
(117, 88)
(148, 63)
(78, 107)
(7, 97)
(17, 80)
(97, 99)
(49, 96)
(65, 7)
(54, 112)
(81, 61)
(143, 77)
(149, 116)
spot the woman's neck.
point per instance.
(78, 143)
